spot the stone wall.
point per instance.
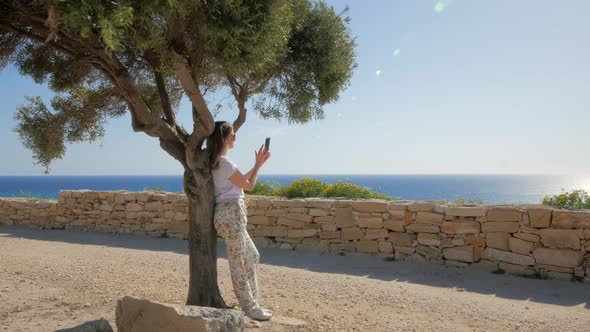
(524, 239)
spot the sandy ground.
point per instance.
(52, 279)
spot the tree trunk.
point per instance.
(203, 289)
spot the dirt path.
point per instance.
(52, 279)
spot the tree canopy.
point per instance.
(284, 59)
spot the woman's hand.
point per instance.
(261, 156)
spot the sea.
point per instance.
(488, 189)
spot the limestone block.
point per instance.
(252, 211)
(527, 237)
(330, 235)
(153, 206)
(517, 269)
(374, 234)
(352, 233)
(498, 240)
(475, 240)
(558, 257)
(399, 215)
(369, 206)
(319, 203)
(299, 233)
(402, 250)
(367, 246)
(556, 268)
(422, 207)
(325, 220)
(136, 314)
(508, 257)
(339, 247)
(329, 227)
(133, 207)
(429, 252)
(297, 210)
(300, 217)
(275, 213)
(507, 227)
(291, 223)
(264, 203)
(398, 206)
(453, 227)
(429, 239)
(273, 231)
(423, 228)
(559, 276)
(260, 220)
(579, 272)
(408, 217)
(402, 239)
(385, 247)
(560, 238)
(370, 222)
(462, 254)
(309, 244)
(344, 217)
(319, 212)
(570, 219)
(505, 214)
(520, 246)
(464, 211)
(539, 218)
(394, 225)
(291, 203)
(429, 218)
(153, 227)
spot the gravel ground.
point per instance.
(52, 279)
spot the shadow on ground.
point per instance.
(556, 292)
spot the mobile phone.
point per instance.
(267, 144)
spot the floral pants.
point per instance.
(230, 222)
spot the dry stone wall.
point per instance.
(524, 239)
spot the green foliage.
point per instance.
(470, 201)
(577, 199)
(38, 132)
(265, 188)
(288, 58)
(349, 189)
(309, 187)
(306, 187)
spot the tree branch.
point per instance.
(201, 112)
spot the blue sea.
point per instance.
(490, 189)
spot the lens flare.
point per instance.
(440, 7)
(378, 72)
(396, 52)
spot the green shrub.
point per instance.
(577, 199)
(470, 201)
(309, 187)
(351, 190)
(306, 187)
(265, 188)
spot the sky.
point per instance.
(441, 87)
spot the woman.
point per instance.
(231, 217)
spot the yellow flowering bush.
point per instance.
(309, 187)
(577, 199)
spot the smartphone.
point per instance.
(267, 143)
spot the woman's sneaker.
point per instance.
(259, 314)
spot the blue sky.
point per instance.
(442, 87)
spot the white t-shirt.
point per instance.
(224, 188)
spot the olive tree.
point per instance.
(281, 59)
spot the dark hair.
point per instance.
(216, 141)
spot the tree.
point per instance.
(284, 59)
